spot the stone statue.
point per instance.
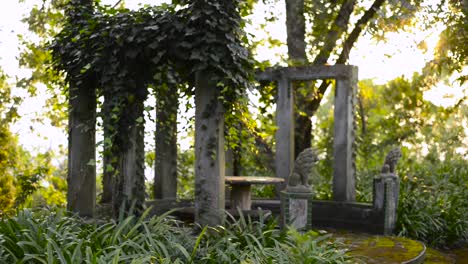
(299, 178)
(391, 160)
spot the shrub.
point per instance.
(56, 237)
(434, 203)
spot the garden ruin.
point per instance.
(162, 49)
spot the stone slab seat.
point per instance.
(241, 197)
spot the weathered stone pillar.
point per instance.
(165, 169)
(209, 151)
(343, 169)
(81, 196)
(129, 188)
(284, 160)
(108, 167)
(385, 201)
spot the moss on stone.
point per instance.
(435, 257)
(381, 249)
(460, 254)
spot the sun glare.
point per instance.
(448, 93)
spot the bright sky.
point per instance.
(380, 61)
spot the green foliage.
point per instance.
(44, 21)
(139, 46)
(54, 237)
(450, 54)
(8, 145)
(7, 193)
(434, 203)
(318, 250)
(433, 170)
(186, 174)
(38, 181)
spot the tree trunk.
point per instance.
(295, 27)
(165, 172)
(304, 93)
(81, 196)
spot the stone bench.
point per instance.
(240, 189)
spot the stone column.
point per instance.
(284, 160)
(81, 196)
(385, 201)
(165, 172)
(107, 174)
(209, 151)
(343, 145)
(129, 190)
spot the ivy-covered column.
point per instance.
(129, 192)
(209, 151)
(81, 196)
(165, 171)
(108, 167)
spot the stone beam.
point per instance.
(304, 73)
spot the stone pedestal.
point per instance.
(296, 209)
(385, 204)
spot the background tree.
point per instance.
(333, 35)
(22, 173)
(8, 145)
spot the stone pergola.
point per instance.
(210, 172)
(345, 97)
(209, 142)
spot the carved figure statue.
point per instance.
(299, 178)
(391, 160)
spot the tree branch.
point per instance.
(337, 29)
(360, 25)
(116, 4)
(348, 44)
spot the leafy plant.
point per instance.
(434, 203)
(53, 236)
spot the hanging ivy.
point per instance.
(121, 52)
(128, 47)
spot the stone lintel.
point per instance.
(304, 73)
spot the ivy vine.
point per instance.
(120, 53)
(120, 49)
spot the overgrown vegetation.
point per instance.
(434, 170)
(434, 203)
(44, 236)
